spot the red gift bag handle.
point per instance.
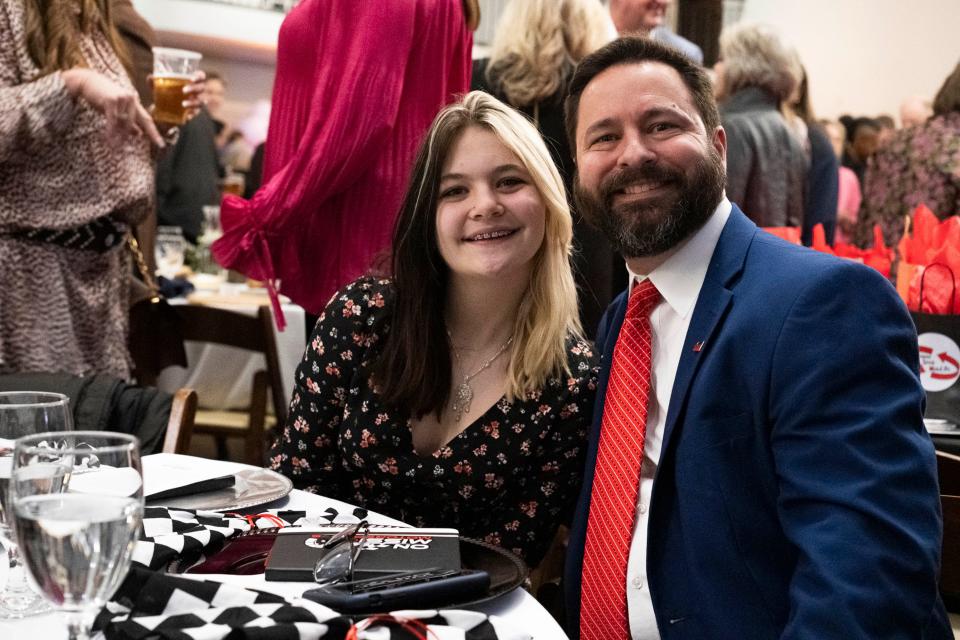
(953, 286)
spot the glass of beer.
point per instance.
(232, 183)
(173, 69)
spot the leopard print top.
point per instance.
(62, 309)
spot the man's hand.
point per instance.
(193, 93)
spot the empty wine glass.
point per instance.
(77, 544)
(23, 413)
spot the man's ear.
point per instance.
(719, 143)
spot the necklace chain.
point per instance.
(464, 393)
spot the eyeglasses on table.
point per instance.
(338, 563)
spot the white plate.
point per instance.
(252, 488)
(941, 427)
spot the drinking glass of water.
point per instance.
(76, 500)
(170, 247)
(23, 413)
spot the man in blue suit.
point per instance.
(758, 465)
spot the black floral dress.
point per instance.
(510, 478)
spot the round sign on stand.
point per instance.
(939, 361)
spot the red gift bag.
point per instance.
(790, 234)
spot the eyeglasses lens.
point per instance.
(337, 565)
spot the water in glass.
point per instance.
(23, 413)
(77, 545)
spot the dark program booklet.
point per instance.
(386, 550)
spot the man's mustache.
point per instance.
(633, 175)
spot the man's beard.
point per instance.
(648, 228)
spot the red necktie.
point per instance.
(616, 481)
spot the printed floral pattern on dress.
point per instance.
(510, 478)
(920, 165)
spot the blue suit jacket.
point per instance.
(796, 494)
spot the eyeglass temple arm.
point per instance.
(346, 534)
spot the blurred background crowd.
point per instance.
(801, 144)
(292, 171)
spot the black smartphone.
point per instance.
(411, 589)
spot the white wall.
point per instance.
(253, 26)
(864, 56)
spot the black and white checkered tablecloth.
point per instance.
(152, 605)
(187, 535)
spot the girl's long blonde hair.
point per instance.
(54, 29)
(414, 370)
(539, 42)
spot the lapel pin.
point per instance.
(698, 347)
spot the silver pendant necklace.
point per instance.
(464, 393)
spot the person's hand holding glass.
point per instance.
(22, 414)
(76, 501)
(178, 86)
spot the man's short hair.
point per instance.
(635, 50)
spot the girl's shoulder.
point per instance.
(367, 291)
(583, 361)
(364, 301)
(581, 350)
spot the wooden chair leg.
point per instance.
(258, 417)
(220, 442)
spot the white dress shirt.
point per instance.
(679, 280)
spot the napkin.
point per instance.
(166, 475)
(106, 481)
(202, 486)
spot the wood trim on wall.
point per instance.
(701, 21)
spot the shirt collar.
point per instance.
(680, 278)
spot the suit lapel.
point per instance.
(608, 340)
(715, 298)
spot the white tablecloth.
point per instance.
(518, 607)
(222, 376)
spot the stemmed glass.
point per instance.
(77, 544)
(23, 413)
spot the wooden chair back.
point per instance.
(183, 410)
(232, 329)
(948, 470)
(252, 333)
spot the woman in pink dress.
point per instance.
(357, 85)
(848, 198)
